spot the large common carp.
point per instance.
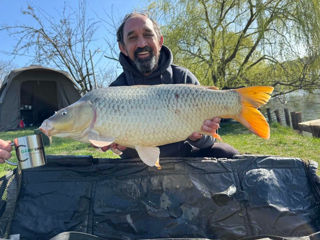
(144, 117)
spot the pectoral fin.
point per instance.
(100, 143)
(149, 155)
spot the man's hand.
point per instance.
(209, 126)
(5, 149)
(114, 147)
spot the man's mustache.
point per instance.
(144, 49)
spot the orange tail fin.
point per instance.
(251, 99)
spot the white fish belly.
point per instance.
(143, 116)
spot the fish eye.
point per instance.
(64, 113)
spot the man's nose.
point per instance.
(141, 42)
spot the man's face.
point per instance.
(141, 43)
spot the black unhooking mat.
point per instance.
(248, 197)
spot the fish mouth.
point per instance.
(46, 132)
(47, 128)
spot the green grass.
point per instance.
(59, 146)
(284, 142)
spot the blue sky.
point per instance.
(11, 14)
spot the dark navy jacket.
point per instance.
(166, 73)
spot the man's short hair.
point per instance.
(130, 15)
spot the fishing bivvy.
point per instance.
(249, 197)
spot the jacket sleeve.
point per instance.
(120, 81)
(183, 75)
(190, 78)
(205, 142)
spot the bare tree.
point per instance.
(66, 43)
(5, 68)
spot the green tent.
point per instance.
(32, 94)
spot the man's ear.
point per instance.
(122, 48)
(161, 41)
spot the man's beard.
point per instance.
(145, 65)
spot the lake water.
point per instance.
(300, 101)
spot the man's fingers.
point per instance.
(210, 129)
(216, 119)
(195, 136)
(120, 147)
(105, 148)
(5, 149)
(115, 147)
(4, 155)
(116, 151)
(211, 124)
(5, 145)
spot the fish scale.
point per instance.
(144, 117)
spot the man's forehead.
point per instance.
(138, 22)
